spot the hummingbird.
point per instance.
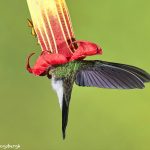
(94, 73)
(62, 57)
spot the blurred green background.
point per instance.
(99, 118)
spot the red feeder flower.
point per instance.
(52, 25)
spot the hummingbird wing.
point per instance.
(142, 74)
(63, 88)
(111, 75)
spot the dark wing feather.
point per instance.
(109, 76)
(140, 73)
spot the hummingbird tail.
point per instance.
(67, 86)
(63, 88)
(65, 111)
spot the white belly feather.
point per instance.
(58, 87)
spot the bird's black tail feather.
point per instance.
(65, 112)
(67, 86)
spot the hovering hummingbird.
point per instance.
(62, 57)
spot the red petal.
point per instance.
(54, 59)
(39, 67)
(44, 61)
(86, 48)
